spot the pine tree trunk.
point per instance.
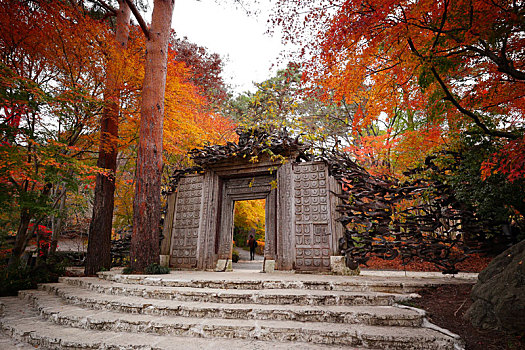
(99, 239)
(147, 204)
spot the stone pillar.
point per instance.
(225, 229)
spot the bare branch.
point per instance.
(139, 18)
(106, 6)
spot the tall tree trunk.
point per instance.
(99, 239)
(146, 203)
(21, 237)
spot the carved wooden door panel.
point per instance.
(312, 226)
(185, 232)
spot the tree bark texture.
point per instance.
(21, 237)
(147, 204)
(99, 239)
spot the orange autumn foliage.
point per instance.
(510, 160)
(391, 153)
(188, 122)
(51, 85)
(456, 66)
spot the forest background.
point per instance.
(387, 82)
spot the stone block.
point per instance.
(222, 263)
(165, 260)
(269, 266)
(338, 267)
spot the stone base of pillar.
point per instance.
(269, 266)
(164, 260)
(221, 264)
(338, 267)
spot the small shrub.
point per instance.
(260, 247)
(20, 277)
(127, 270)
(235, 256)
(156, 269)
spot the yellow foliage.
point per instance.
(250, 214)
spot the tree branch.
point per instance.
(443, 20)
(468, 113)
(106, 6)
(504, 65)
(455, 102)
(139, 18)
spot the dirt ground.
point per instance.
(446, 307)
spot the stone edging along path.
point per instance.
(199, 310)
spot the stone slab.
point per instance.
(224, 265)
(269, 266)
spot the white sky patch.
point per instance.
(250, 55)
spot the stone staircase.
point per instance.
(221, 311)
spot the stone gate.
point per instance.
(301, 231)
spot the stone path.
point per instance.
(210, 310)
(245, 264)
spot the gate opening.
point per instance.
(249, 220)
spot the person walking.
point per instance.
(252, 243)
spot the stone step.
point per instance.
(7, 343)
(284, 281)
(23, 324)
(276, 331)
(304, 313)
(232, 296)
